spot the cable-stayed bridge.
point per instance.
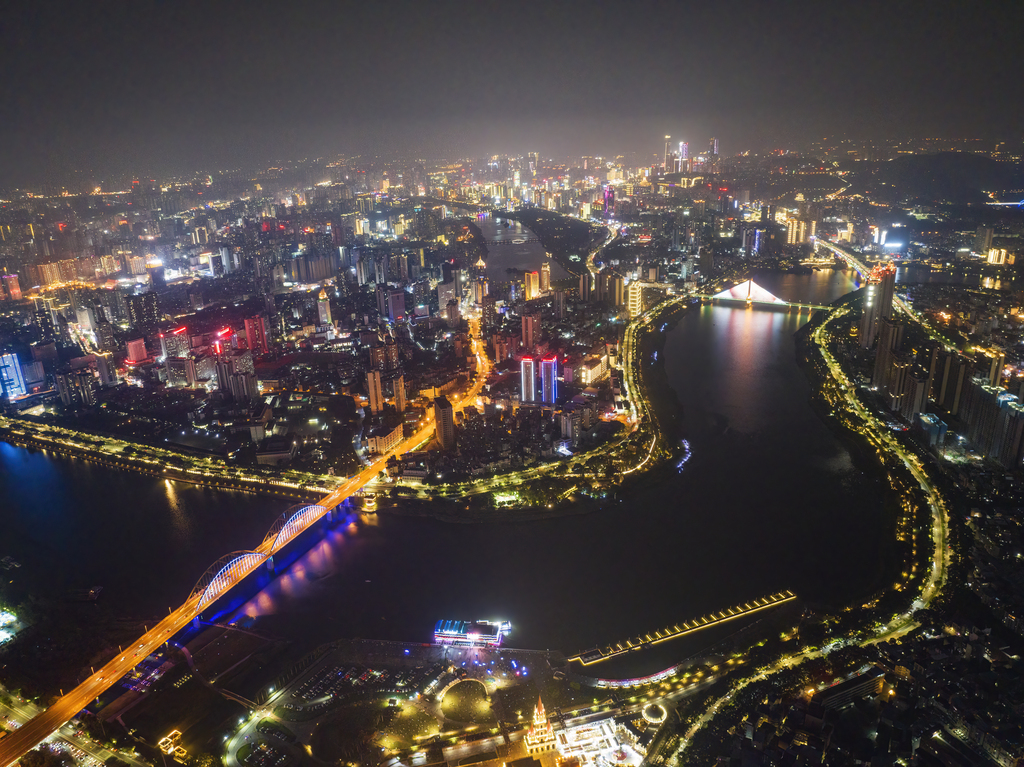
(751, 294)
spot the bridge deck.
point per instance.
(599, 654)
(759, 304)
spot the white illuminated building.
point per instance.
(595, 743)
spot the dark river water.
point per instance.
(513, 247)
(916, 274)
(769, 500)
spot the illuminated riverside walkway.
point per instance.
(599, 654)
(878, 433)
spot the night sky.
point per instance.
(154, 87)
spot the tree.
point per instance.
(44, 756)
(199, 759)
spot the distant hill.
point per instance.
(948, 177)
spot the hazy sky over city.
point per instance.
(149, 87)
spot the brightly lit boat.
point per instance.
(476, 634)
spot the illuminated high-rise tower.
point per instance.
(877, 303)
(664, 165)
(12, 382)
(527, 380)
(545, 277)
(374, 391)
(549, 379)
(529, 331)
(532, 285)
(681, 158)
(323, 308)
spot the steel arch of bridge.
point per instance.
(288, 525)
(224, 573)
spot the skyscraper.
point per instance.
(545, 277)
(616, 290)
(527, 380)
(12, 382)
(951, 375)
(481, 290)
(877, 304)
(532, 285)
(10, 288)
(549, 379)
(915, 394)
(869, 315)
(983, 239)
(174, 344)
(142, 310)
(323, 308)
(635, 299)
(396, 305)
(444, 423)
(529, 331)
(256, 335)
(374, 391)
(586, 281)
(890, 339)
(558, 304)
(800, 231)
(137, 350)
(398, 387)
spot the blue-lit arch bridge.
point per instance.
(231, 569)
(751, 294)
(215, 584)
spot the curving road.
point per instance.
(881, 436)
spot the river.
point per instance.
(504, 252)
(770, 500)
(916, 274)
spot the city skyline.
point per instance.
(684, 341)
(166, 89)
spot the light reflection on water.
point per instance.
(722, 532)
(179, 514)
(527, 256)
(916, 275)
(319, 562)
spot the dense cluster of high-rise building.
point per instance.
(207, 285)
